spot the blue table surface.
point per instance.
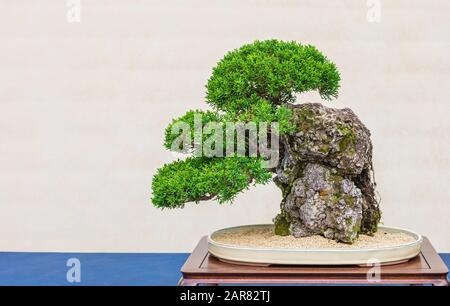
(96, 269)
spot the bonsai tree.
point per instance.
(324, 156)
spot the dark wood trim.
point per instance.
(203, 268)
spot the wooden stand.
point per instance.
(203, 268)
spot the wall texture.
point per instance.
(84, 105)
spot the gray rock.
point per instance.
(326, 176)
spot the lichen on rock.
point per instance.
(325, 174)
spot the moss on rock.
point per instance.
(326, 176)
(282, 225)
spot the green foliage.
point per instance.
(251, 84)
(264, 111)
(272, 70)
(196, 179)
(187, 119)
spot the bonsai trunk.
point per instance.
(326, 176)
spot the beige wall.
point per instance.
(84, 105)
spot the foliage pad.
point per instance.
(196, 179)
